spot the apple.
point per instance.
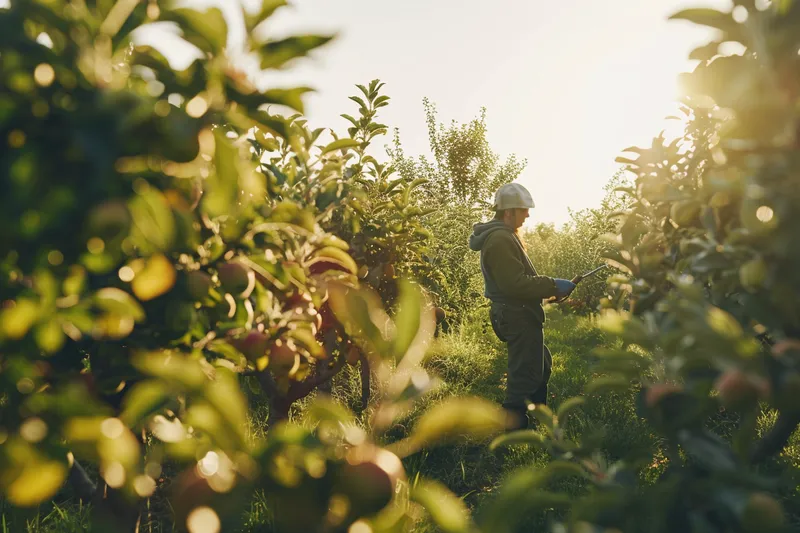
(738, 390)
(763, 514)
(281, 358)
(253, 345)
(368, 479)
(198, 283)
(753, 274)
(656, 392)
(234, 277)
(323, 266)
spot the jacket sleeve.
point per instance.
(510, 274)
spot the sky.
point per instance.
(566, 85)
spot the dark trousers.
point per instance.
(529, 360)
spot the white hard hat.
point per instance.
(513, 196)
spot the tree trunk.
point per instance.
(366, 379)
(279, 407)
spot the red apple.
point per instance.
(234, 277)
(738, 390)
(198, 283)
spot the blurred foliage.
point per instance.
(166, 240)
(704, 303)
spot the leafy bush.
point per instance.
(166, 239)
(706, 304)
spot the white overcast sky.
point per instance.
(567, 85)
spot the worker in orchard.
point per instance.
(516, 292)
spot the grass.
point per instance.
(472, 361)
(65, 517)
(469, 361)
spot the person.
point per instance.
(516, 292)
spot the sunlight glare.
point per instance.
(203, 520)
(765, 213)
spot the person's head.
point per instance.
(514, 218)
(512, 204)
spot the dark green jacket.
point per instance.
(508, 273)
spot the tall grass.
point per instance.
(469, 360)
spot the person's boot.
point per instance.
(516, 418)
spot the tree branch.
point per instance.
(304, 388)
(366, 378)
(267, 383)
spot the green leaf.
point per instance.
(267, 9)
(543, 414)
(275, 125)
(454, 419)
(291, 98)
(38, 481)
(613, 321)
(705, 52)
(381, 101)
(341, 144)
(723, 323)
(204, 418)
(118, 302)
(206, 30)
(337, 256)
(153, 227)
(171, 366)
(606, 384)
(326, 408)
(275, 54)
(559, 468)
(75, 282)
(307, 338)
(407, 318)
(168, 430)
(355, 309)
(568, 406)
(359, 101)
(155, 279)
(225, 395)
(784, 6)
(222, 186)
(350, 119)
(50, 336)
(336, 242)
(447, 510)
(523, 436)
(17, 320)
(144, 399)
(47, 287)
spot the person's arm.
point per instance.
(509, 272)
